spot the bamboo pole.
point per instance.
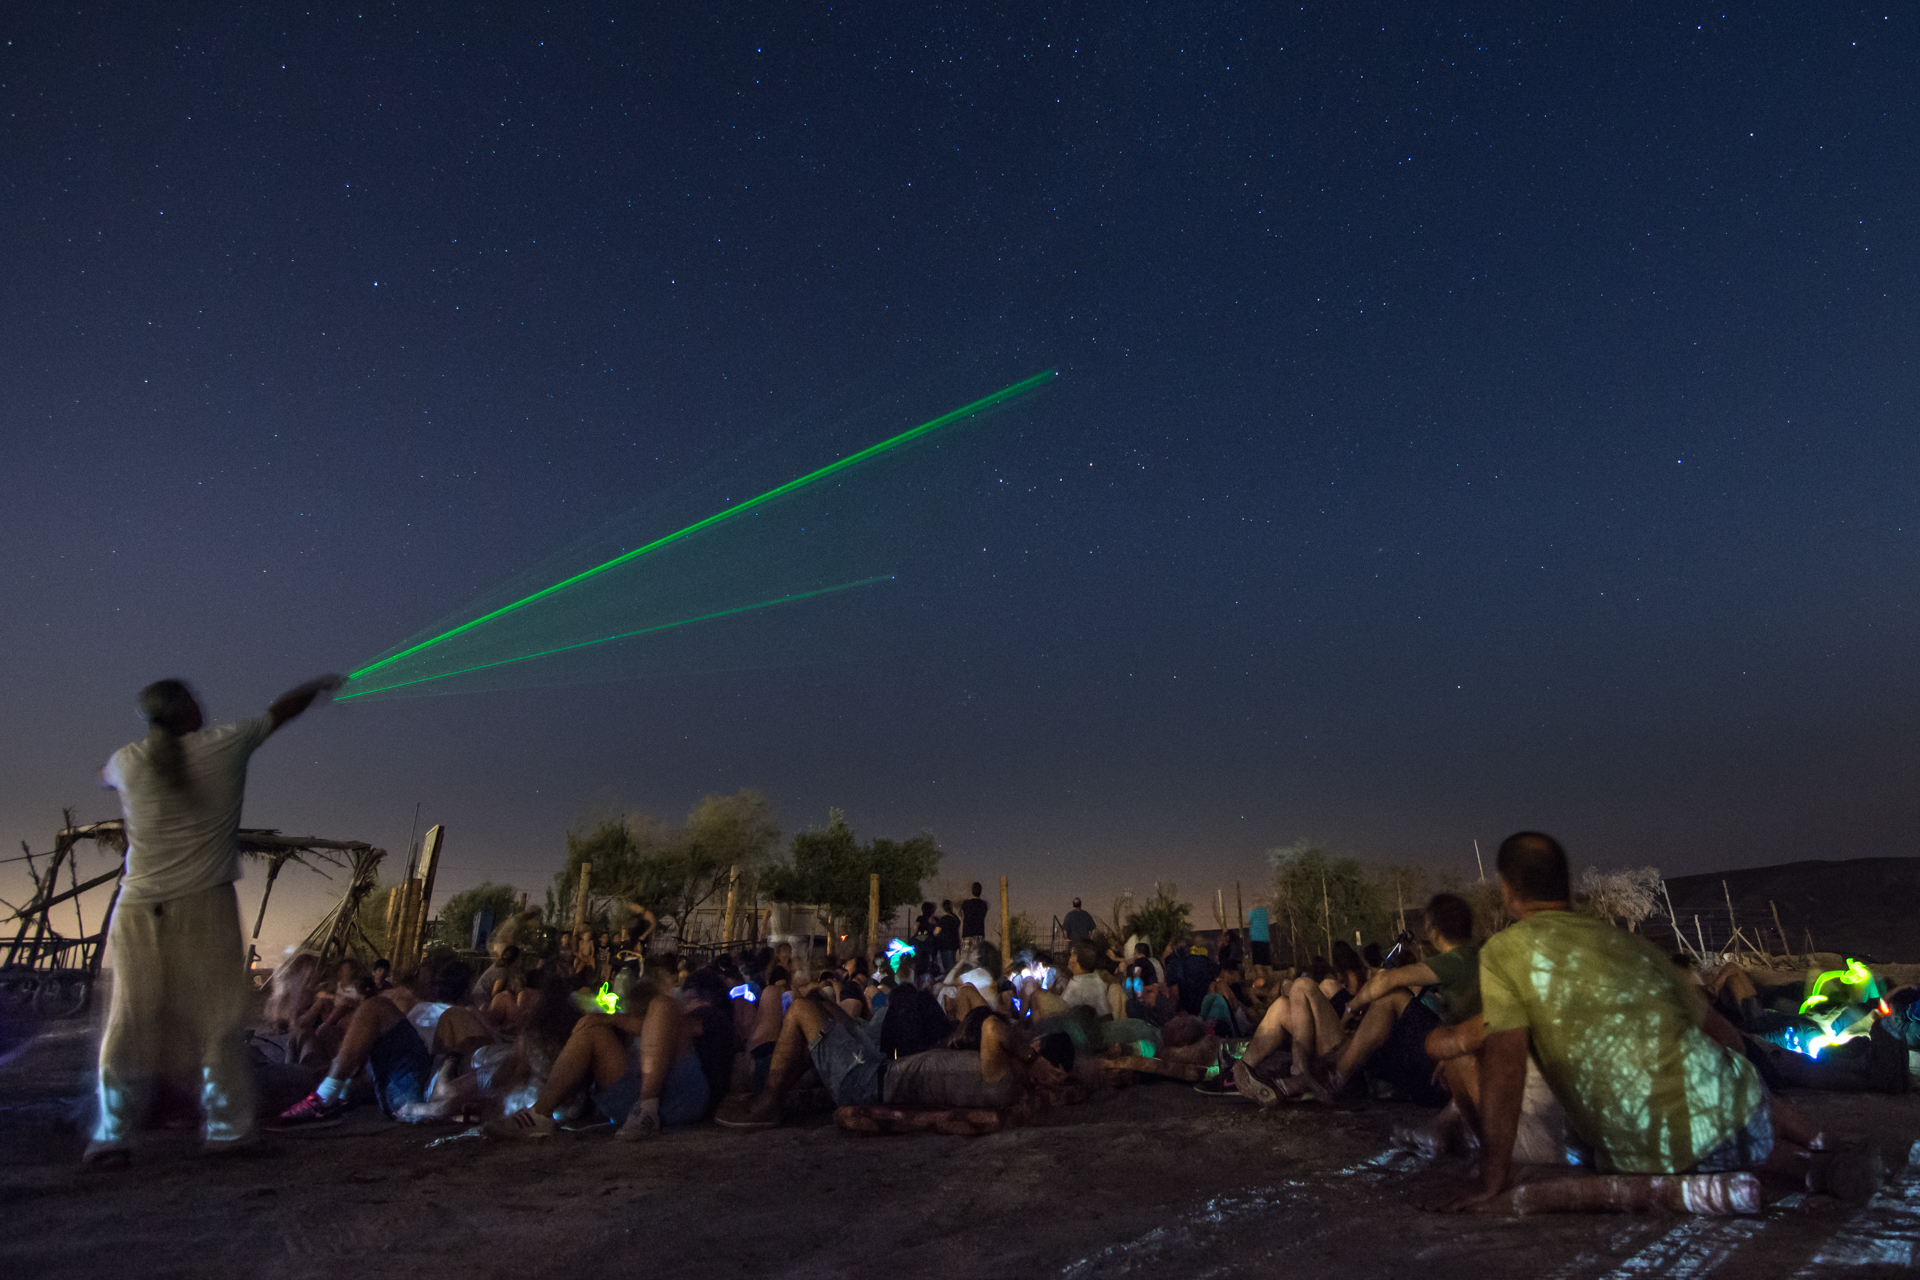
(1698, 934)
(1731, 922)
(733, 901)
(1239, 909)
(873, 915)
(1006, 927)
(1786, 948)
(580, 897)
(1478, 861)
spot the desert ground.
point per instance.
(1147, 1181)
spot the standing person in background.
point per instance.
(1259, 943)
(946, 936)
(973, 915)
(174, 945)
(1078, 925)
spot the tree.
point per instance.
(1160, 919)
(1623, 897)
(672, 871)
(1324, 899)
(829, 868)
(453, 927)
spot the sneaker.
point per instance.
(1252, 1086)
(108, 1153)
(1220, 1086)
(524, 1123)
(311, 1112)
(640, 1126)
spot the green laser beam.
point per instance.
(945, 419)
(624, 635)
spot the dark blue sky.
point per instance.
(1465, 422)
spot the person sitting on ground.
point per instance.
(399, 1047)
(639, 1066)
(1085, 987)
(1189, 971)
(503, 973)
(382, 975)
(704, 995)
(1306, 1019)
(1148, 1000)
(898, 1060)
(1387, 1027)
(1652, 1080)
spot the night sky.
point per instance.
(1466, 421)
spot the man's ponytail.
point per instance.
(166, 704)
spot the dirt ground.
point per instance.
(1149, 1181)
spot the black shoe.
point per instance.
(1220, 1085)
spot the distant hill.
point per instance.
(1864, 907)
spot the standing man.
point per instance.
(174, 945)
(973, 916)
(1078, 925)
(1259, 943)
(946, 936)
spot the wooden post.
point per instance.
(523, 903)
(873, 915)
(733, 900)
(429, 868)
(1480, 862)
(1732, 923)
(1239, 908)
(580, 897)
(1006, 927)
(1786, 948)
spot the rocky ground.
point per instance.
(1149, 1181)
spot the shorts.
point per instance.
(1262, 953)
(849, 1064)
(1402, 1061)
(402, 1067)
(1744, 1149)
(946, 1078)
(682, 1102)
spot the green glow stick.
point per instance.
(624, 635)
(925, 428)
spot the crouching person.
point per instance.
(641, 1065)
(1650, 1080)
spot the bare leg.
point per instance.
(373, 1019)
(1376, 1024)
(1270, 1035)
(969, 1000)
(665, 1035)
(595, 1050)
(1001, 1049)
(805, 1023)
(461, 1030)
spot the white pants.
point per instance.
(180, 997)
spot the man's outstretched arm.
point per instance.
(298, 699)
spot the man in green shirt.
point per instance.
(1625, 1044)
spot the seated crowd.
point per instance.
(1558, 1040)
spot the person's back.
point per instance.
(180, 838)
(1618, 1036)
(1078, 925)
(973, 916)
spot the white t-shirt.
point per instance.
(1089, 989)
(182, 842)
(425, 1018)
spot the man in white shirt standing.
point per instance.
(174, 946)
